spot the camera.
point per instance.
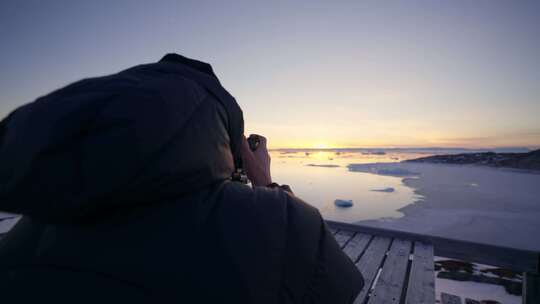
(253, 141)
(239, 174)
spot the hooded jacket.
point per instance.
(124, 185)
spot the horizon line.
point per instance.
(528, 148)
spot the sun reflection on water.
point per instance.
(320, 177)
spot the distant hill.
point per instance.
(529, 160)
(429, 150)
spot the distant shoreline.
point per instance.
(526, 161)
(437, 150)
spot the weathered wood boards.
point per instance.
(384, 264)
(356, 246)
(370, 263)
(505, 257)
(421, 287)
(450, 299)
(391, 278)
(390, 285)
(343, 236)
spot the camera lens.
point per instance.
(253, 141)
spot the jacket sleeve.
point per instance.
(282, 248)
(316, 269)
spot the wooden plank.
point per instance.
(421, 287)
(505, 257)
(450, 299)
(531, 288)
(356, 246)
(389, 287)
(342, 236)
(370, 263)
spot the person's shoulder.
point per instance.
(256, 194)
(269, 198)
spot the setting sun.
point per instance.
(321, 146)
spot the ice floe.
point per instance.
(387, 190)
(343, 203)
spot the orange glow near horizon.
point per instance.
(276, 143)
(316, 130)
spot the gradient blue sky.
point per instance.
(307, 73)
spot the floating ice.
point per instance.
(343, 203)
(324, 166)
(387, 190)
(374, 153)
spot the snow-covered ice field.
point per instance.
(490, 205)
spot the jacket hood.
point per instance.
(148, 134)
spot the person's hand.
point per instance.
(256, 163)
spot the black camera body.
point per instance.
(239, 174)
(253, 141)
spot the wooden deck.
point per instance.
(398, 267)
(395, 270)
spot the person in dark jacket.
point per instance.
(124, 184)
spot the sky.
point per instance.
(307, 74)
